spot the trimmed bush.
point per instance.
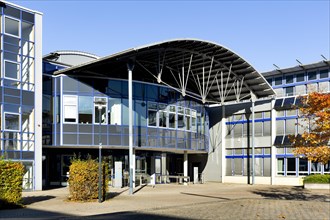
(317, 178)
(11, 180)
(83, 180)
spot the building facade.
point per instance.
(198, 109)
(275, 119)
(21, 90)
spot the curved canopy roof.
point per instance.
(204, 70)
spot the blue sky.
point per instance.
(262, 32)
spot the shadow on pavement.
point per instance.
(28, 200)
(110, 195)
(292, 193)
(32, 214)
(214, 197)
(132, 215)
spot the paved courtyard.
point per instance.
(200, 201)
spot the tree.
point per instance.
(313, 143)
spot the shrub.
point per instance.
(11, 180)
(83, 180)
(317, 178)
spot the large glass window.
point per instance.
(152, 114)
(278, 81)
(311, 75)
(171, 116)
(141, 113)
(85, 110)
(100, 110)
(300, 77)
(289, 79)
(324, 74)
(114, 114)
(280, 166)
(193, 120)
(12, 70)
(12, 26)
(162, 117)
(289, 91)
(181, 124)
(187, 119)
(12, 121)
(70, 109)
(291, 166)
(303, 166)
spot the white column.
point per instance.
(273, 165)
(163, 161)
(38, 103)
(185, 166)
(252, 140)
(130, 67)
(223, 147)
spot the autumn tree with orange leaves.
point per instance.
(313, 143)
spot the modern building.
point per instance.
(275, 119)
(21, 90)
(182, 107)
(173, 84)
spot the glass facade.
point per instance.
(17, 88)
(162, 118)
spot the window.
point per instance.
(114, 114)
(270, 81)
(324, 74)
(289, 91)
(291, 166)
(12, 121)
(311, 75)
(85, 110)
(152, 114)
(193, 120)
(171, 116)
(289, 79)
(300, 77)
(187, 119)
(100, 110)
(181, 124)
(278, 81)
(12, 26)
(303, 166)
(316, 167)
(70, 109)
(12, 70)
(162, 117)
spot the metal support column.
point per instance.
(130, 67)
(185, 166)
(252, 139)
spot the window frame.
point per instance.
(19, 121)
(19, 26)
(106, 110)
(19, 70)
(63, 109)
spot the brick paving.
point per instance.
(200, 201)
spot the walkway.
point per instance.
(201, 201)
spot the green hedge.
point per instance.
(11, 180)
(317, 178)
(83, 180)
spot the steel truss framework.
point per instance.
(203, 70)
